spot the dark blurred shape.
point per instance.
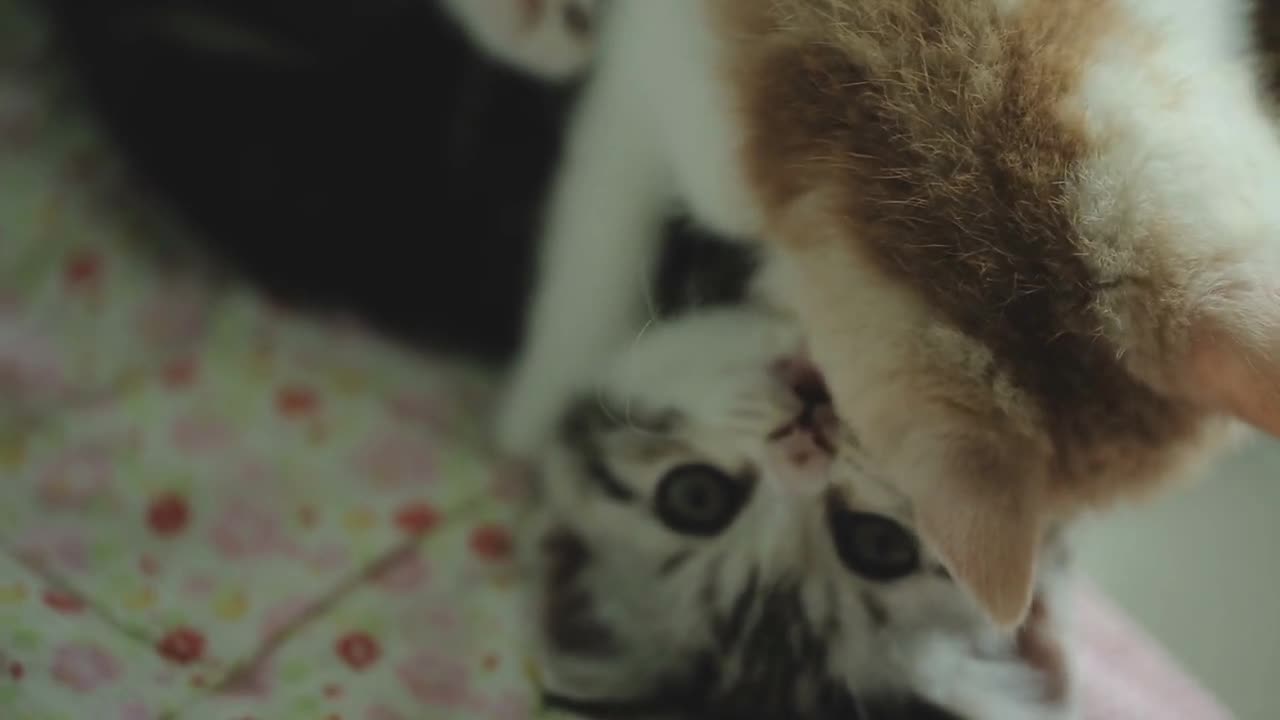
(342, 153)
(698, 269)
(1267, 24)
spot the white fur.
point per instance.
(654, 131)
(1185, 148)
(603, 225)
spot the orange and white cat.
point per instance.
(1034, 244)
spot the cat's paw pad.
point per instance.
(553, 39)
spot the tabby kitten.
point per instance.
(693, 562)
(1032, 243)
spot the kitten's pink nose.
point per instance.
(801, 451)
(817, 418)
(804, 379)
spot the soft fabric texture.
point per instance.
(213, 508)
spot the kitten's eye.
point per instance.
(873, 546)
(698, 499)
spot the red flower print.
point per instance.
(405, 575)
(84, 667)
(168, 514)
(180, 373)
(295, 401)
(436, 679)
(416, 409)
(358, 650)
(253, 682)
(307, 516)
(201, 434)
(281, 617)
(417, 518)
(148, 565)
(491, 542)
(82, 268)
(395, 459)
(174, 315)
(512, 481)
(16, 670)
(242, 530)
(78, 477)
(62, 601)
(55, 550)
(182, 645)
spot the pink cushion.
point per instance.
(1124, 674)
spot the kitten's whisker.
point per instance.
(602, 403)
(643, 329)
(646, 289)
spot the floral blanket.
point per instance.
(213, 508)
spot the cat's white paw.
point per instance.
(996, 688)
(553, 39)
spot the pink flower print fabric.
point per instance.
(78, 477)
(435, 631)
(84, 667)
(242, 530)
(395, 459)
(60, 659)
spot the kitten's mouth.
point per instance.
(813, 430)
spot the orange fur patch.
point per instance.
(939, 134)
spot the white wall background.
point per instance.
(1200, 569)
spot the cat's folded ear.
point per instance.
(981, 512)
(1233, 364)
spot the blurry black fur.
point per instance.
(697, 269)
(351, 154)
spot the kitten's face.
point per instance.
(696, 562)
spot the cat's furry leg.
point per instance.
(552, 39)
(1037, 682)
(598, 254)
